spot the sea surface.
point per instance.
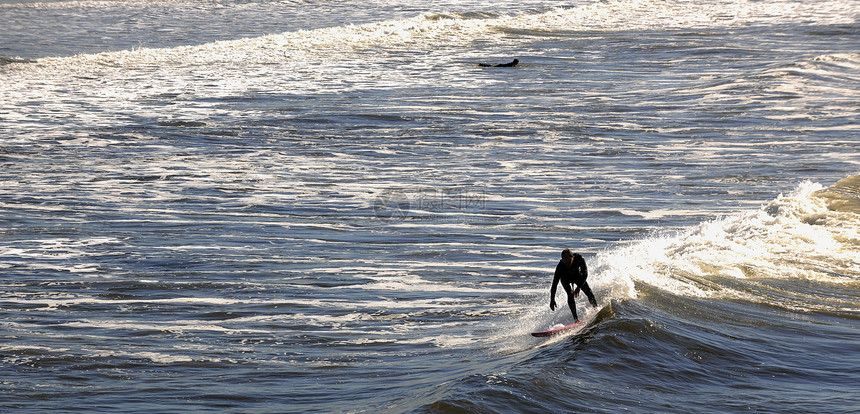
(251, 206)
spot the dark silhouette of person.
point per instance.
(571, 270)
(500, 65)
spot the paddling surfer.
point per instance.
(571, 270)
(512, 64)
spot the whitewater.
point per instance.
(308, 206)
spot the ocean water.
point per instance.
(315, 206)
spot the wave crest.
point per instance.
(798, 252)
(844, 196)
(429, 31)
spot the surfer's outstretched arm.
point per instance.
(552, 289)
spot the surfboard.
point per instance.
(557, 331)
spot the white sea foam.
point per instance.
(178, 326)
(427, 30)
(793, 237)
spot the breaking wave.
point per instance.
(798, 252)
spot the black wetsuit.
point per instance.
(575, 274)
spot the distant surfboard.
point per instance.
(557, 331)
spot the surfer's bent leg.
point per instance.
(571, 300)
(571, 303)
(588, 293)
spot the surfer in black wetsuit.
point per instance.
(571, 270)
(500, 65)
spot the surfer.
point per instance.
(500, 65)
(571, 270)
